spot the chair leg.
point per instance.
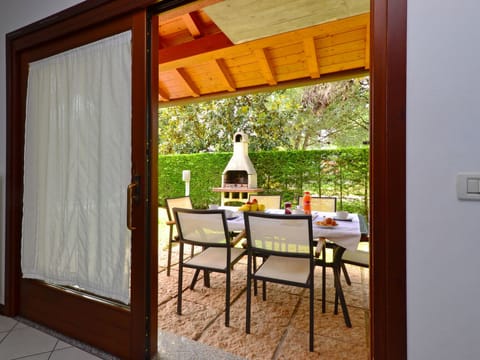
(335, 308)
(206, 278)
(312, 299)
(345, 273)
(169, 254)
(255, 291)
(324, 292)
(264, 283)
(249, 295)
(180, 282)
(264, 290)
(195, 278)
(255, 286)
(227, 300)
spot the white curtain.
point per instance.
(77, 168)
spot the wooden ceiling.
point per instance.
(200, 57)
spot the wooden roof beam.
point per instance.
(311, 57)
(187, 82)
(225, 74)
(265, 66)
(367, 47)
(199, 46)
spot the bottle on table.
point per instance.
(307, 206)
(288, 208)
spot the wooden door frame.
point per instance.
(388, 179)
(388, 164)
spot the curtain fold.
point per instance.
(77, 168)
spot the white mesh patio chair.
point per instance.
(208, 229)
(321, 203)
(178, 202)
(285, 242)
(270, 201)
(359, 257)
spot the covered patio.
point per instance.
(206, 52)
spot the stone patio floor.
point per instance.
(279, 328)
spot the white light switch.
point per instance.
(472, 186)
(468, 186)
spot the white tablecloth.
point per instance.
(346, 234)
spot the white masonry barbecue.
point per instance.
(239, 177)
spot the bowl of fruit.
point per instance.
(253, 205)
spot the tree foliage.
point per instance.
(293, 119)
(342, 111)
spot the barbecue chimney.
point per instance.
(239, 177)
(240, 171)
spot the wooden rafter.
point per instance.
(189, 84)
(265, 66)
(194, 6)
(191, 25)
(224, 74)
(311, 57)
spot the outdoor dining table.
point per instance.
(346, 234)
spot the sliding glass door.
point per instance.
(79, 154)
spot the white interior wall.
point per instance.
(442, 130)
(15, 14)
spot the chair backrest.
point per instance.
(183, 202)
(324, 203)
(202, 227)
(284, 235)
(270, 201)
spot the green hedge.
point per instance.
(343, 173)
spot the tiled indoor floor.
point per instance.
(19, 340)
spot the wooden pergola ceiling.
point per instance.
(198, 58)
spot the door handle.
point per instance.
(130, 199)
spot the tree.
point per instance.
(210, 126)
(296, 118)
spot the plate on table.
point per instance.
(324, 224)
(328, 226)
